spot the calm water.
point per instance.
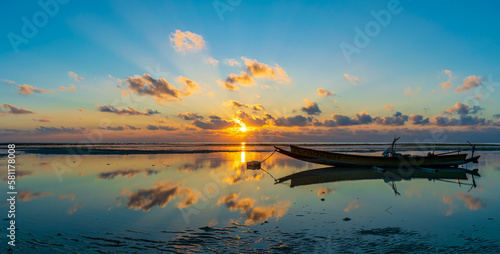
(201, 198)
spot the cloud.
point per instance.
(409, 91)
(462, 109)
(470, 82)
(257, 107)
(28, 89)
(74, 208)
(232, 62)
(449, 201)
(342, 120)
(161, 194)
(161, 127)
(397, 119)
(45, 119)
(30, 195)
(55, 130)
(69, 196)
(311, 108)
(8, 82)
(17, 111)
(160, 89)
(71, 89)
(470, 202)
(189, 116)
(233, 80)
(257, 69)
(119, 128)
(253, 121)
(419, 119)
(463, 120)
(128, 173)
(235, 104)
(325, 93)
(297, 120)
(389, 107)
(215, 123)
(126, 111)
(212, 61)
(496, 115)
(253, 214)
(75, 76)
(448, 83)
(353, 205)
(322, 192)
(185, 42)
(353, 79)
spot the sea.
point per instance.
(202, 198)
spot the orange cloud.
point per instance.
(470, 202)
(253, 214)
(311, 108)
(388, 107)
(28, 89)
(469, 82)
(75, 76)
(212, 61)
(353, 79)
(257, 69)
(159, 195)
(17, 111)
(160, 89)
(74, 208)
(325, 93)
(449, 201)
(353, 205)
(409, 91)
(322, 192)
(233, 80)
(448, 83)
(69, 196)
(30, 195)
(187, 41)
(71, 89)
(126, 111)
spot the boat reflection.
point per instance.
(390, 176)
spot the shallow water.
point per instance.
(209, 202)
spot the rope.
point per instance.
(269, 156)
(275, 180)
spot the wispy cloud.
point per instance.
(212, 61)
(45, 119)
(448, 83)
(186, 42)
(126, 111)
(470, 82)
(233, 80)
(471, 202)
(17, 111)
(161, 194)
(75, 76)
(71, 89)
(409, 91)
(28, 89)
(160, 127)
(55, 130)
(389, 107)
(189, 116)
(215, 123)
(253, 214)
(232, 62)
(30, 195)
(128, 173)
(351, 78)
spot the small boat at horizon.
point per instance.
(389, 158)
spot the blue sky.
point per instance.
(400, 69)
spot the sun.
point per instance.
(243, 127)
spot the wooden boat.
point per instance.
(389, 158)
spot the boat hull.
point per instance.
(350, 160)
